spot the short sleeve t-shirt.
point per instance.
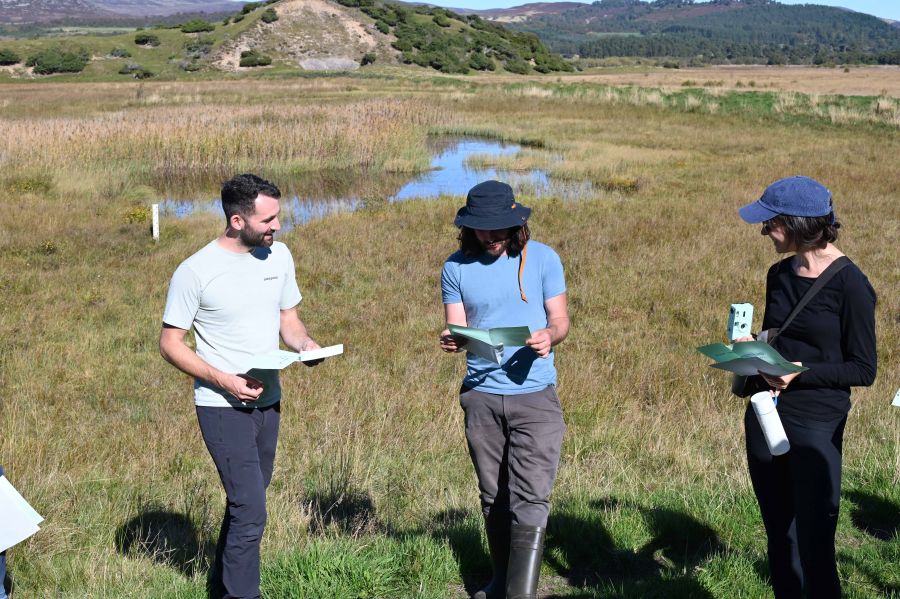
(488, 288)
(233, 301)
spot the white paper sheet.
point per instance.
(18, 520)
(278, 359)
(325, 352)
(8, 490)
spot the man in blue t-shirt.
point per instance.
(514, 421)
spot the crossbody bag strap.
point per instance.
(822, 280)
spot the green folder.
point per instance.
(749, 358)
(489, 343)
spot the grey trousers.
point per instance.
(514, 442)
(242, 443)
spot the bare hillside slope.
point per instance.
(311, 34)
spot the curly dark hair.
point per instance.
(810, 232)
(470, 246)
(240, 192)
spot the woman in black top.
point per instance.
(834, 337)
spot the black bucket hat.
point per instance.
(490, 206)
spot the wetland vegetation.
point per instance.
(373, 492)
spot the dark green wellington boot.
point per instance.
(526, 548)
(498, 545)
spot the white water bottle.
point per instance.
(770, 423)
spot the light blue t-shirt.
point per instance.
(488, 288)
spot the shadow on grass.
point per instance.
(878, 580)
(879, 518)
(461, 530)
(350, 511)
(167, 538)
(580, 547)
(874, 515)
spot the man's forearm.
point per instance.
(559, 330)
(187, 361)
(293, 333)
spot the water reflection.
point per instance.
(318, 195)
(451, 174)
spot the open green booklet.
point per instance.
(749, 358)
(489, 343)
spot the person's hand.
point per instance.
(310, 345)
(451, 343)
(742, 339)
(780, 383)
(243, 387)
(541, 342)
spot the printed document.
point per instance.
(278, 359)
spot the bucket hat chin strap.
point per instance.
(521, 268)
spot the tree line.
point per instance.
(739, 31)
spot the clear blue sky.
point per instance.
(888, 9)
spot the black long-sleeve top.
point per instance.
(833, 336)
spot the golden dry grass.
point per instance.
(856, 81)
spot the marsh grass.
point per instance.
(374, 494)
(839, 109)
(164, 144)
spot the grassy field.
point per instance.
(850, 80)
(374, 494)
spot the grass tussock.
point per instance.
(373, 494)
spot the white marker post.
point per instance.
(155, 210)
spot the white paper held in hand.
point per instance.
(278, 359)
(896, 401)
(18, 520)
(321, 353)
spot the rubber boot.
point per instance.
(526, 549)
(498, 545)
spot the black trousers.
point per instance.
(799, 495)
(242, 444)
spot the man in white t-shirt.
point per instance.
(239, 293)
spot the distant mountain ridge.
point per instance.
(51, 11)
(166, 7)
(715, 31)
(41, 11)
(521, 13)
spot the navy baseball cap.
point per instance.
(490, 206)
(792, 196)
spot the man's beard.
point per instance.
(254, 239)
(502, 243)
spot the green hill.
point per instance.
(441, 39)
(283, 37)
(719, 31)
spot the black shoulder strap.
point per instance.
(822, 280)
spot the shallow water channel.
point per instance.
(318, 195)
